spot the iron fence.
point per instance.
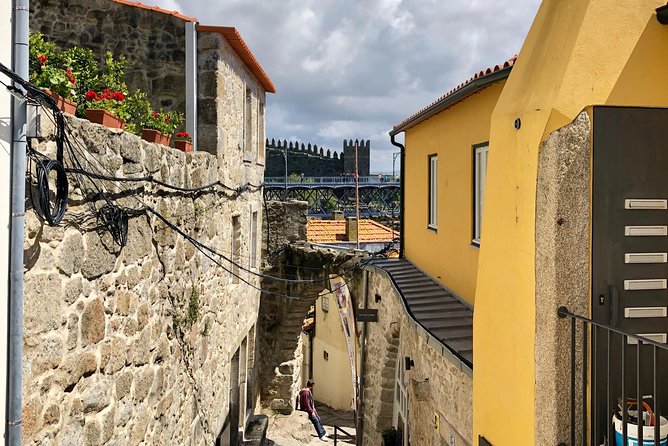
(612, 375)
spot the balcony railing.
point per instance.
(609, 376)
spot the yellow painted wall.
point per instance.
(447, 254)
(578, 53)
(332, 376)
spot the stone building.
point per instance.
(154, 341)
(316, 162)
(182, 65)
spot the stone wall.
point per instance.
(131, 345)
(563, 275)
(138, 34)
(439, 390)
(309, 160)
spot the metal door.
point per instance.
(629, 247)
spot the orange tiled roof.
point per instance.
(332, 231)
(155, 8)
(237, 43)
(479, 75)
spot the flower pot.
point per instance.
(151, 135)
(65, 105)
(104, 117)
(184, 146)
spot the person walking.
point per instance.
(306, 403)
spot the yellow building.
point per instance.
(573, 210)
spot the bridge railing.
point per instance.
(373, 179)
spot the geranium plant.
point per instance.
(164, 122)
(112, 101)
(45, 68)
(183, 136)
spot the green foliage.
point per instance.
(86, 72)
(113, 76)
(192, 312)
(165, 122)
(294, 178)
(138, 107)
(46, 70)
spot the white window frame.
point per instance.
(261, 149)
(480, 156)
(432, 211)
(248, 124)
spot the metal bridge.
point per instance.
(379, 195)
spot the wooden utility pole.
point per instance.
(357, 197)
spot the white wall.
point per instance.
(5, 142)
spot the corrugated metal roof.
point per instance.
(331, 231)
(434, 307)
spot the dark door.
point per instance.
(629, 247)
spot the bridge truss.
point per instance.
(375, 199)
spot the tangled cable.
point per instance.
(52, 214)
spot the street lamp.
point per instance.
(394, 159)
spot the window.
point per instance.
(433, 192)
(248, 125)
(479, 174)
(260, 133)
(253, 240)
(236, 248)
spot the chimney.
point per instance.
(351, 229)
(337, 215)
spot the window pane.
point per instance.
(480, 172)
(433, 191)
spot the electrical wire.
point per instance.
(116, 218)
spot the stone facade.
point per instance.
(137, 345)
(439, 389)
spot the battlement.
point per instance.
(311, 160)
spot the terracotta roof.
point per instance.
(445, 101)
(155, 8)
(333, 231)
(237, 43)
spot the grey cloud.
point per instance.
(354, 68)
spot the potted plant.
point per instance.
(106, 108)
(183, 141)
(390, 436)
(159, 126)
(47, 74)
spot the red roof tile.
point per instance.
(237, 43)
(333, 231)
(155, 8)
(479, 75)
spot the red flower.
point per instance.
(91, 96)
(42, 59)
(156, 114)
(70, 76)
(168, 119)
(118, 96)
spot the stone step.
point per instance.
(256, 432)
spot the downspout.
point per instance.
(360, 409)
(191, 81)
(402, 170)
(20, 20)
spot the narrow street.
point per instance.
(297, 430)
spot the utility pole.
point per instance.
(285, 159)
(357, 197)
(395, 155)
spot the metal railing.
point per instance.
(373, 179)
(591, 364)
(336, 438)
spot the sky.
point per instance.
(351, 69)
